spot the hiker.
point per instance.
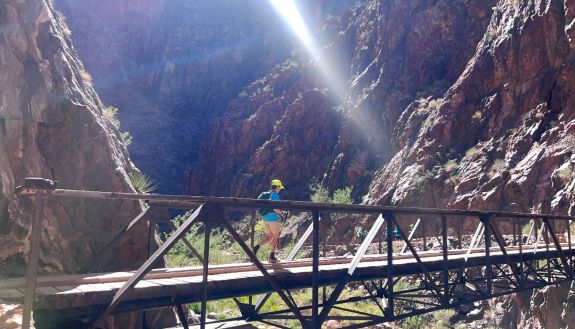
(271, 219)
(396, 235)
(361, 234)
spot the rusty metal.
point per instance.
(207, 233)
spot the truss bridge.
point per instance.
(431, 259)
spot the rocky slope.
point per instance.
(52, 126)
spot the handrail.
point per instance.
(248, 203)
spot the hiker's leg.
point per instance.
(268, 233)
(275, 228)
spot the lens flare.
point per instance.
(288, 11)
(332, 75)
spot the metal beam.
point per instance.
(147, 266)
(181, 313)
(32, 267)
(315, 272)
(411, 234)
(445, 299)
(262, 299)
(488, 269)
(420, 263)
(144, 215)
(207, 233)
(558, 248)
(284, 204)
(188, 244)
(390, 303)
(500, 241)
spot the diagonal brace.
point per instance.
(558, 248)
(354, 263)
(196, 216)
(144, 215)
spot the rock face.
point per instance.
(452, 104)
(391, 64)
(52, 126)
(500, 137)
(171, 67)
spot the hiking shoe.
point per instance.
(273, 258)
(256, 248)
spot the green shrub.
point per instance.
(111, 113)
(471, 152)
(126, 138)
(342, 196)
(318, 192)
(142, 183)
(451, 166)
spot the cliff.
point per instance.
(52, 125)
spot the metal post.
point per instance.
(32, 269)
(424, 233)
(253, 219)
(515, 231)
(315, 273)
(207, 233)
(445, 268)
(545, 235)
(390, 228)
(459, 236)
(151, 231)
(488, 269)
(569, 240)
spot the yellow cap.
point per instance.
(277, 182)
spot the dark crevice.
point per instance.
(550, 115)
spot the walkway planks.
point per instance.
(82, 295)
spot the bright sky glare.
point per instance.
(327, 68)
(289, 12)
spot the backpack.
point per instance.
(264, 196)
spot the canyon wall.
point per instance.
(52, 125)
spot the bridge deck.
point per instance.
(88, 293)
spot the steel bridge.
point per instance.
(436, 265)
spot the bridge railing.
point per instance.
(447, 264)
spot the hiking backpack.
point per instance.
(264, 196)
